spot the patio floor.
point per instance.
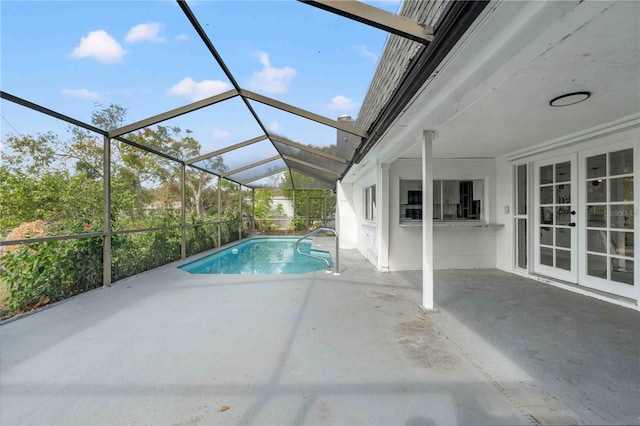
(167, 347)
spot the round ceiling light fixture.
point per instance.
(569, 99)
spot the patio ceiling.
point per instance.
(254, 161)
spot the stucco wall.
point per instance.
(459, 247)
(355, 232)
(346, 224)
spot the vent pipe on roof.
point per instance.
(453, 23)
(345, 146)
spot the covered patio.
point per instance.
(167, 347)
(402, 335)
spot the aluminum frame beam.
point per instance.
(250, 166)
(308, 149)
(303, 113)
(332, 182)
(313, 166)
(51, 113)
(226, 149)
(270, 173)
(378, 18)
(174, 113)
(214, 52)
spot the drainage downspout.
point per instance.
(455, 21)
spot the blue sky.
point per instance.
(145, 56)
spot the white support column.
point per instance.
(427, 219)
(382, 195)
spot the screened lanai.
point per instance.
(161, 143)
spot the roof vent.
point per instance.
(345, 117)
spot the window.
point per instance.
(521, 216)
(457, 200)
(610, 216)
(370, 203)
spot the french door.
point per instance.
(584, 218)
(555, 236)
(609, 232)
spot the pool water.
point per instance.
(261, 256)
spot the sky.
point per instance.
(145, 56)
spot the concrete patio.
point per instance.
(166, 347)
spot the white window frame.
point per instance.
(483, 201)
(370, 203)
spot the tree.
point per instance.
(309, 204)
(35, 184)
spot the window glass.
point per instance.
(370, 203)
(522, 189)
(458, 200)
(621, 162)
(622, 189)
(437, 200)
(563, 172)
(522, 243)
(597, 166)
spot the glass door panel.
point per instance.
(520, 216)
(609, 231)
(555, 237)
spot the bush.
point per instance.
(139, 252)
(53, 269)
(201, 238)
(300, 223)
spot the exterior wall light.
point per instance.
(569, 99)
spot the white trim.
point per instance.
(608, 285)
(623, 124)
(515, 216)
(427, 219)
(561, 274)
(616, 135)
(383, 192)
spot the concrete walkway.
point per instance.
(167, 347)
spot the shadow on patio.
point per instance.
(166, 347)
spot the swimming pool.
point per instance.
(261, 256)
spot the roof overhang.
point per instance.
(490, 95)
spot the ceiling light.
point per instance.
(569, 99)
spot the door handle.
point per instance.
(573, 212)
(572, 224)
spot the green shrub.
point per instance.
(201, 238)
(53, 269)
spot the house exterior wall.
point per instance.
(287, 204)
(456, 245)
(346, 223)
(608, 134)
(363, 232)
(620, 134)
(355, 231)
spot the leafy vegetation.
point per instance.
(54, 185)
(59, 184)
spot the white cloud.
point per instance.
(80, 93)
(144, 32)
(341, 103)
(100, 46)
(363, 51)
(182, 37)
(198, 90)
(274, 126)
(270, 79)
(220, 134)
